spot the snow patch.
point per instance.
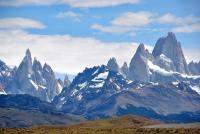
(165, 58)
(41, 86)
(3, 92)
(154, 83)
(97, 85)
(102, 75)
(74, 92)
(130, 81)
(60, 88)
(29, 75)
(62, 98)
(123, 106)
(190, 76)
(117, 86)
(162, 71)
(158, 69)
(95, 71)
(82, 85)
(33, 83)
(175, 83)
(79, 97)
(196, 89)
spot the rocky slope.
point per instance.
(157, 85)
(100, 93)
(26, 111)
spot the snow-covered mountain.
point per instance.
(171, 49)
(31, 78)
(158, 85)
(165, 64)
(99, 92)
(6, 75)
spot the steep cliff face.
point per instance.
(113, 65)
(171, 48)
(31, 78)
(138, 69)
(124, 69)
(6, 75)
(164, 65)
(99, 93)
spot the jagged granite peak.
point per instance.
(60, 82)
(28, 53)
(37, 69)
(25, 68)
(37, 65)
(138, 68)
(194, 68)
(47, 69)
(124, 69)
(33, 79)
(99, 93)
(6, 75)
(171, 48)
(2, 91)
(112, 64)
(5, 70)
(67, 82)
(141, 49)
(53, 85)
(164, 42)
(92, 83)
(3, 65)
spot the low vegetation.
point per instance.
(116, 125)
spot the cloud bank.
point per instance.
(63, 52)
(67, 54)
(20, 23)
(72, 3)
(131, 22)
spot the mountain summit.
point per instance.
(31, 78)
(171, 48)
(112, 64)
(165, 64)
(138, 68)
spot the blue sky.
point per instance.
(89, 16)
(111, 22)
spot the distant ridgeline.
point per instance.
(158, 85)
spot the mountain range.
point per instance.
(158, 84)
(31, 78)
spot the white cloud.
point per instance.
(192, 54)
(112, 29)
(128, 22)
(20, 23)
(175, 20)
(99, 3)
(131, 22)
(67, 54)
(186, 24)
(69, 14)
(187, 28)
(72, 3)
(133, 19)
(64, 53)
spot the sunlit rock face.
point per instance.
(31, 78)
